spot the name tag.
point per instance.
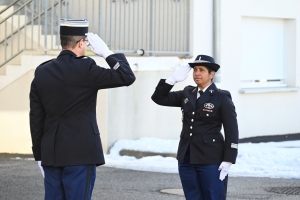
(206, 110)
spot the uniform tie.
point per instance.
(201, 93)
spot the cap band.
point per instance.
(74, 27)
(67, 30)
(201, 61)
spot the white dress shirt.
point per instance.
(198, 93)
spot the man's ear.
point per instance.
(80, 43)
(212, 74)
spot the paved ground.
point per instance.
(21, 180)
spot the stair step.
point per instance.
(13, 69)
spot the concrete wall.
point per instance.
(14, 116)
(131, 112)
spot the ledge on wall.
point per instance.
(271, 138)
(267, 90)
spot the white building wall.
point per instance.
(261, 113)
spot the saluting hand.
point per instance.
(179, 75)
(98, 46)
(224, 168)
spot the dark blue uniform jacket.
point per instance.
(63, 100)
(202, 123)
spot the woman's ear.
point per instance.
(212, 74)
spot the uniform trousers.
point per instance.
(69, 182)
(201, 182)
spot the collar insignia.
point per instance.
(186, 100)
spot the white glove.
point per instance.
(98, 46)
(224, 168)
(41, 167)
(179, 75)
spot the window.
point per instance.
(263, 52)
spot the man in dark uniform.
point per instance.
(63, 96)
(204, 157)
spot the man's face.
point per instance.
(202, 77)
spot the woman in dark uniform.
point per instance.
(204, 156)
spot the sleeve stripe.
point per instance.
(117, 65)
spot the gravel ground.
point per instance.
(20, 179)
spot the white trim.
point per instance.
(268, 90)
(263, 83)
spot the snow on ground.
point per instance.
(272, 159)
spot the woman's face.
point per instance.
(202, 77)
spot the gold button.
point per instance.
(207, 114)
(191, 127)
(193, 113)
(192, 120)
(191, 134)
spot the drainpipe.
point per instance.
(217, 36)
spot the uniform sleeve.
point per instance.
(229, 120)
(162, 95)
(37, 120)
(119, 75)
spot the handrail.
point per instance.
(16, 11)
(29, 22)
(10, 5)
(2, 64)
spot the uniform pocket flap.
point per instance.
(213, 138)
(95, 127)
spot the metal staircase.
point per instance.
(26, 27)
(32, 25)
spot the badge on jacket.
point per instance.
(209, 106)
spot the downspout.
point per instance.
(217, 36)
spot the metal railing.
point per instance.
(24, 26)
(159, 27)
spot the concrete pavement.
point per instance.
(20, 179)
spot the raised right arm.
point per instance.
(162, 95)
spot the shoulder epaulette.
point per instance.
(46, 61)
(191, 88)
(83, 57)
(225, 92)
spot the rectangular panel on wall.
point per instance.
(262, 49)
(158, 27)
